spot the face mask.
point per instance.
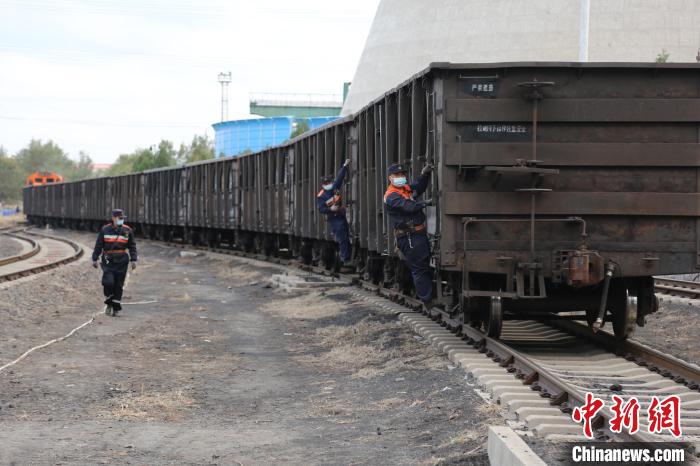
(328, 187)
(399, 182)
(120, 221)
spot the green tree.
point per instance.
(49, 157)
(302, 126)
(144, 159)
(11, 178)
(162, 156)
(81, 169)
(663, 56)
(201, 148)
(39, 156)
(123, 165)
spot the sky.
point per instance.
(108, 76)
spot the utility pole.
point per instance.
(584, 30)
(224, 79)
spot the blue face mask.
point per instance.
(399, 181)
(120, 222)
(328, 187)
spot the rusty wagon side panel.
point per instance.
(616, 170)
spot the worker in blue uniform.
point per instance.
(406, 216)
(117, 246)
(330, 202)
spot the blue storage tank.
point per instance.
(238, 136)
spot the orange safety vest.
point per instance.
(336, 199)
(404, 191)
(122, 238)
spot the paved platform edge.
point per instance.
(506, 448)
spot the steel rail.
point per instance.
(549, 385)
(77, 253)
(36, 247)
(683, 288)
(664, 364)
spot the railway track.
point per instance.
(562, 366)
(681, 288)
(39, 252)
(543, 369)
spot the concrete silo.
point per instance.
(407, 35)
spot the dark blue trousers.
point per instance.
(416, 250)
(341, 234)
(113, 277)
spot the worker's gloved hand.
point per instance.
(133, 266)
(427, 202)
(427, 169)
(94, 264)
(335, 208)
(347, 163)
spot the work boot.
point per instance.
(109, 310)
(116, 307)
(427, 305)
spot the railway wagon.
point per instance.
(560, 189)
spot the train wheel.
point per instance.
(624, 315)
(494, 318)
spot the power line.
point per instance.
(102, 123)
(210, 10)
(90, 56)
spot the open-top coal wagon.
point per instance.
(560, 189)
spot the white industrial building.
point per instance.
(407, 35)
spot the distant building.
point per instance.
(407, 35)
(100, 167)
(282, 116)
(295, 105)
(242, 136)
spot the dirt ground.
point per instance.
(10, 220)
(211, 366)
(8, 247)
(673, 329)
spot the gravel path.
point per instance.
(9, 247)
(673, 329)
(223, 370)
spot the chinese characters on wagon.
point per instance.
(481, 87)
(662, 415)
(521, 129)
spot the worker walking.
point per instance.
(406, 217)
(116, 244)
(330, 202)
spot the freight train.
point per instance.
(560, 189)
